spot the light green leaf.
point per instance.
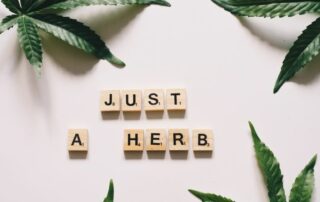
(110, 195)
(69, 4)
(303, 186)
(30, 42)
(76, 34)
(269, 8)
(206, 197)
(270, 169)
(8, 22)
(12, 5)
(304, 49)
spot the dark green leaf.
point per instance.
(12, 5)
(8, 22)
(304, 49)
(270, 169)
(69, 4)
(206, 197)
(30, 42)
(76, 34)
(303, 186)
(110, 195)
(25, 4)
(269, 8)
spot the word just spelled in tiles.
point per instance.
(156, 140)
(153, 100)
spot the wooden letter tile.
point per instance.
(153, 100)
(133, 140)
(110, 101)
(131, 101)
(178, 139)
(176, 99)
(78, 140)
(156, 140)
(202, 140)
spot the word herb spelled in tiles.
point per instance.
(156, 140)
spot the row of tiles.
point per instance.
(150, 140)
(153, 100)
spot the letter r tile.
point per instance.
(202, 140)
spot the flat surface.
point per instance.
(228, 66)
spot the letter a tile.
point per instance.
(131, 101)
(202, 140)
(78, 140)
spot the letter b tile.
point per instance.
(202, 140)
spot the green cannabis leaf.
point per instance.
(270, 168)
(307, 45)
(34, 15)
(206, 197)
(302, 188)
(110, 195)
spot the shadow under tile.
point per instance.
(177, 114)
(131, 115)
(77, 155)
(156, 154)
(133, 155)
(203, 154)
(179, 155)
(154, 114)
(110, 115)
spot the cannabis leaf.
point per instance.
(307, 45)
(270, 168)
(206, 197)
(110, 195)
(303, 186)
(34, 15)
(301, 190)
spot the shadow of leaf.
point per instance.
(268, 35)
(107, 25)
(113, 21)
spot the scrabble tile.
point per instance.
(176, 99)
(156, 140)
(78, 140)
(153, 100)
(178, 139)
(133, 140)
(202, 140)
(110, 101)
(131, 101)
